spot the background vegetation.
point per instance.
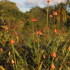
(34, 43)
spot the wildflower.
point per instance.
(55, 31)
(51, 16)
(53, 54)
(1, 49)
(44, 56)
(69, 49)
(6, 28)
(12, 61)
(48, 1)
(12, 41)
(39, 32)
(33, 19)
(52, 66)
(54, 13)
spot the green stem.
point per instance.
(38, 53)
(33, 36)
(54, 19)
(47, 15)
(64, 60)
(14, 58)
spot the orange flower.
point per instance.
(12, 41)
(52, 66)
(6, 28)
(53, 54)
(12, 61)
(48, 1)
(32, 19)
(69, 49)
(1, 49)
(51, 16)
(55, 31)
(54, 13)
(44, 56)
(39, 32)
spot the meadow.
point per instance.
(34, 40)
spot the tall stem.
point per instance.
(14, 65)
(38, 56)
(64, 60)
(47, 14)
(34, 35)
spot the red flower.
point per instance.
(12, 41)
(54, 13)
(51, 16)
(53, 54)
(33, 19)
(48, 1)
(39, 32)
(52, 66)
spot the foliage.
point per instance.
(31, 45)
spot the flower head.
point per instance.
(68, 48)
(6, 28)
(32, 19)
(44, 56)
(39, 32)
(54, 13)
(51, 16)
(1, 50)
(48, 1)
(52, 66)
(12, 41)
(12, 61)
(53, 54)
(55, 30)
